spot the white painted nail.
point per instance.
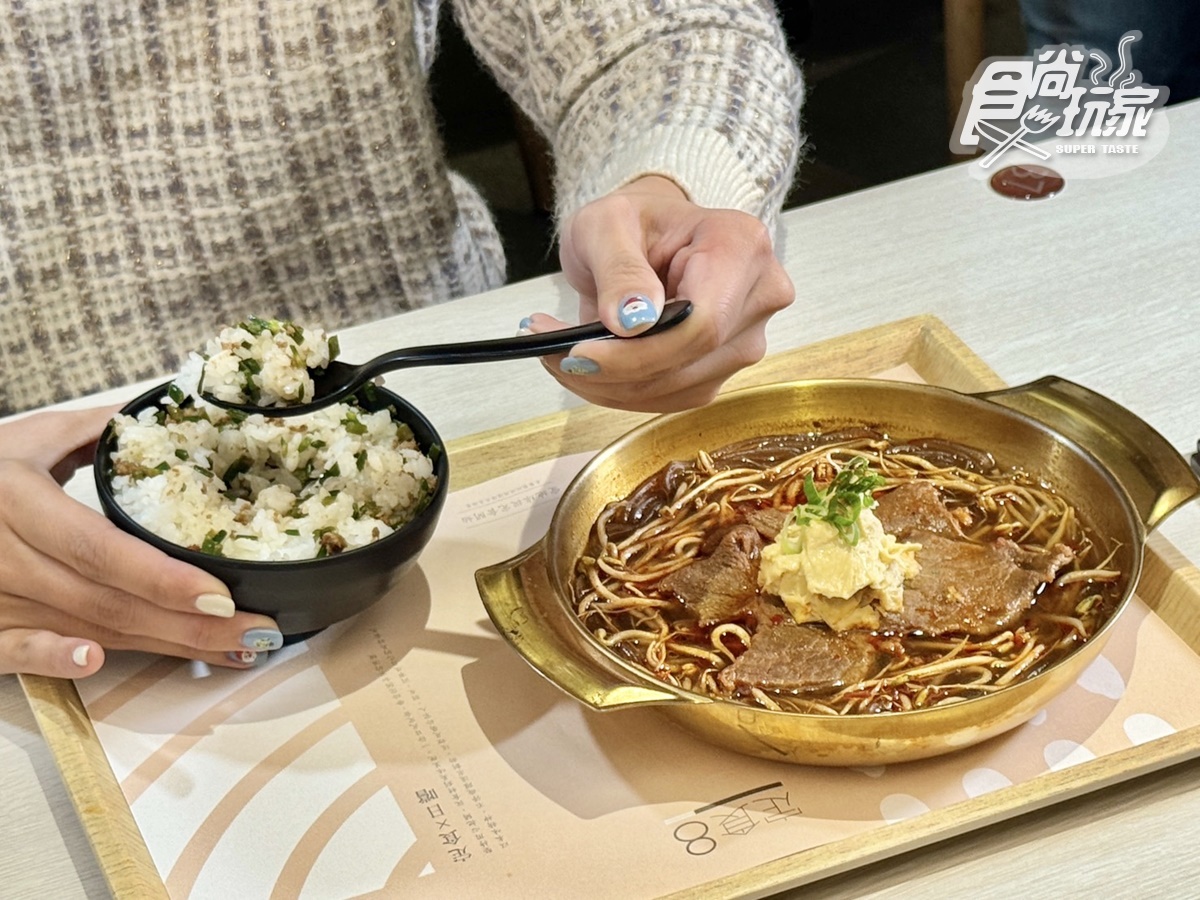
(79, 655)
(215, 605)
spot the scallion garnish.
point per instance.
(843, 501)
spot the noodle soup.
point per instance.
(696, 576)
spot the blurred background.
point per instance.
(881, 80)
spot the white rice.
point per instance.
(265, 362)
(262, 488)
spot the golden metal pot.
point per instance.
(1121, 474)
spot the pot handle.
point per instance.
(525, 609)
(1153, 473)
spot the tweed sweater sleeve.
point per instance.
(169, 167)
(702, 91)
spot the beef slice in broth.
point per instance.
(768, 521)
(719, 586)
(802, 659)
(976, 589)
(964, 586)
(916, 506)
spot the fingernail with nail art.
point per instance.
(245, 657)
(636, 310)
(579, 365)
(262, 639)
(215, 605)
(523, 326)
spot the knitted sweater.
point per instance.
(167, 166)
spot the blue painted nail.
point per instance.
(262, 639)
(637, 310)
(524, 324)
(579, 365)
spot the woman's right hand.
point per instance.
(72, 584)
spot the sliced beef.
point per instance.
(915, 506)
(963, 586)
(768, 521)
(802, 659)
(719, 586)
(764, 611)
(972, 588)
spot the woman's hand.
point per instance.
(73, 584)
(628, 252)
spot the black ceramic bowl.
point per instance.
(303, 596)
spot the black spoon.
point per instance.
(339, 380)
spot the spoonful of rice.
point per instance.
(281, 368)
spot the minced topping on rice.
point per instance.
(268, 488)
(263, 362)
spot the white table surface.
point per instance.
(1100, 284)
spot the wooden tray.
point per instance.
(1169, 584)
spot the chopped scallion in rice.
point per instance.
(260, 487)
(265, 362)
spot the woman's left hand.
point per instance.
(629, 251)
